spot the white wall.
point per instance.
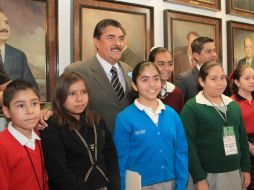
(65, 10)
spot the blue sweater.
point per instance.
(157, 153)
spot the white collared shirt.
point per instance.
(248, 61)
(22, 139)
(153, 115)
(2, 50)
(201, 99)
(107, 67)
(198, 66)
(168, 87)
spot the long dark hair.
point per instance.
(61, 93)
(236, 75)
(136, 72)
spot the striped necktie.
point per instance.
(116, 84)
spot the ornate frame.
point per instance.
(49, 24)
(183, 23)
(81, 7)
(231, 9)
(237, 32)
(215, 5)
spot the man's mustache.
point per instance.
(4, 30)
(116, 48)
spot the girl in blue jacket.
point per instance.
(149, 136)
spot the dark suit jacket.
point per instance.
(243, 61)
(181, 60)
(102, 94)
(16, 66)
(188, 83)
(3, 75)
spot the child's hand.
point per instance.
(45, 115)
(246, 179)
(202, 185)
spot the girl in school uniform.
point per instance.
(169, 94)
(78, 148)
(243, 88)
(149, 136)
(218, 147)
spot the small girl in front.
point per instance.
(243, 94)
(149, 136)
(78, 148)
(218, 147)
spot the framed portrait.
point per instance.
(31, 48)
(206, 4)
(244, 8)
(181, 29)
(240, 44)
(137, 21)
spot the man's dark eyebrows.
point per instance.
(110, 35)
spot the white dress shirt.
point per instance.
(107, 67)
(2, 50)
(153, 115)
(22, 139)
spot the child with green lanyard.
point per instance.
(218, 147)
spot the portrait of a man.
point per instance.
(183, 35)
(24, 49)
(183, 55)
(134, 52)
(249, 52)
(243, 47)
(15, 61)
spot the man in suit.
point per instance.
(109, 40)
(249, 52)
(15, 61)
(183, 56)
(203, 50)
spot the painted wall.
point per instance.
(65, 19)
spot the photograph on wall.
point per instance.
(181, 29)
(137, 22)
(240, 44)
(244, 8)
(25, 37)
(206, 4)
